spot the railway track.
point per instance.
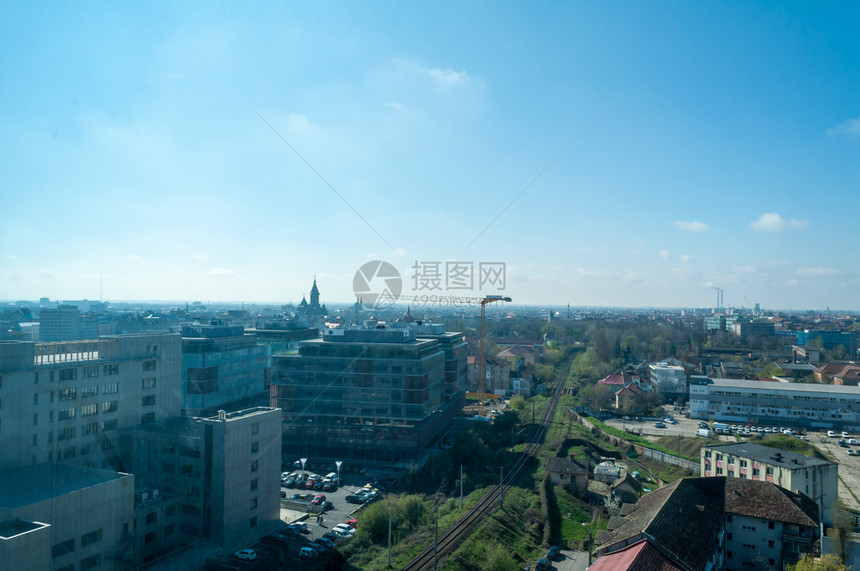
(452, 538)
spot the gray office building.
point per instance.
(382, 394)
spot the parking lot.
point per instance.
(849, 466)
(645, 427)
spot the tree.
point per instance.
(828, 562)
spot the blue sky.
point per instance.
(716, 144)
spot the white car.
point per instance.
(344, 530)
(831, 434)
(845, 434)
(246, 554)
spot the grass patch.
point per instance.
(792, 444)
(636, 439)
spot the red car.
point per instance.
(352, 522)
(318, 499)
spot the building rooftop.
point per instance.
(41, 482)
(766, 454)
(795, 387)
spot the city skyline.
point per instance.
(608, 155)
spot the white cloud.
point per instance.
(665, 255)
(850, 128)
(221, 272)
(692, 226)
(819, 271)
(685, 257)
(10, 257)
(631, 277)
(591, 273)
(448, 76)
(773, 222)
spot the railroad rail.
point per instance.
(452, 538)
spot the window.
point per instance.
(149, 537)
(90, 409)
(253, 484)
(35, 418)
(168, 530)
(719, 471)
(35, 398)
(91, 371)
(67, 394)
(769, 471)
(66, 433)
(255, 465)
(148, 417)
(148, 400)
(254, 521)
(151, 517)
(770, 525)
(111, 369)
(109, 424)
(35, 440)
(68, 374)
(770, 545)
(60, 549)
(149, 365)
(66, 413)
(89, 391)
(253, 503)
(110, 388)
(91, 428)
(255, 446)
(91, 562)
(110, 406)
(755, 472)
(91, 537)
(743, 463)
(149, 383)
(255, 428)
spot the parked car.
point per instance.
(543, 564)
(329, 486)
(307, 553)
(831, 434)
(334, 538)
(318, 499)
(353, 499)
(325, 542)
(301, 526)
(245, 554)
(326, 506)
(659, 425)
(352, 521)
(553, 553)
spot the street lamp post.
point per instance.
(338, 464)
(303, 460)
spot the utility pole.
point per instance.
(501, 471)
(461, 485)
(389, 532)
(435, 543)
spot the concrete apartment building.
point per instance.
(818, 479)
(770, 403)
(221, 472)
(669, 380)
(69, 412)
(375, 394)
(42, 525)
(71, 398)
(66, 323)
(221, 365)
